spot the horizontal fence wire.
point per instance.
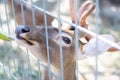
(59, 19)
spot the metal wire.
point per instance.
(29, 65)
(33, 13)
(22, 12)
(76, 38)
(6, 13)
(1, 23)
(60, 42)
(14, 14)
(23, 23)
(97, 32)
(47, 42)
(58, 17)
(39, 69)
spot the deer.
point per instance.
(39, 16)
(34, 38)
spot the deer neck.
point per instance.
(69, 71)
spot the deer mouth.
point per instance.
(29, 42)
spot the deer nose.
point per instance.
(22, 29)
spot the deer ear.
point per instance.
(91, 49)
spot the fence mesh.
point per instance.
(17, 63)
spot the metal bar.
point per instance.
(22, 11)
(33, 13)
(22, 70)
(47, 42)
(1, 23)
(12, 53)
(14, 17)
(14, 14)
(76, 38)
(39, 69)
(6, 13)
(29, 65)
(60, 42)
(23, 22)
(97, 32)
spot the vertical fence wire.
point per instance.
(14, 14)
(33, 13)
(23, 23)
(6, 13)
(7, 21)
(97, 32)
(15, 23)
(47, 42)
(1, 27)
(22, 12)
(60, 42)
(34, 24)
(29, 66)
(39, 69)
(75, 4)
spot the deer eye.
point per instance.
(66, 40)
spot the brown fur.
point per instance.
(39, 17)
(68, 50)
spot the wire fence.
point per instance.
(17, 63)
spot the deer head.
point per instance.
(34, 38)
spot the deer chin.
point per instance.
(23, 41)
(31, 45)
